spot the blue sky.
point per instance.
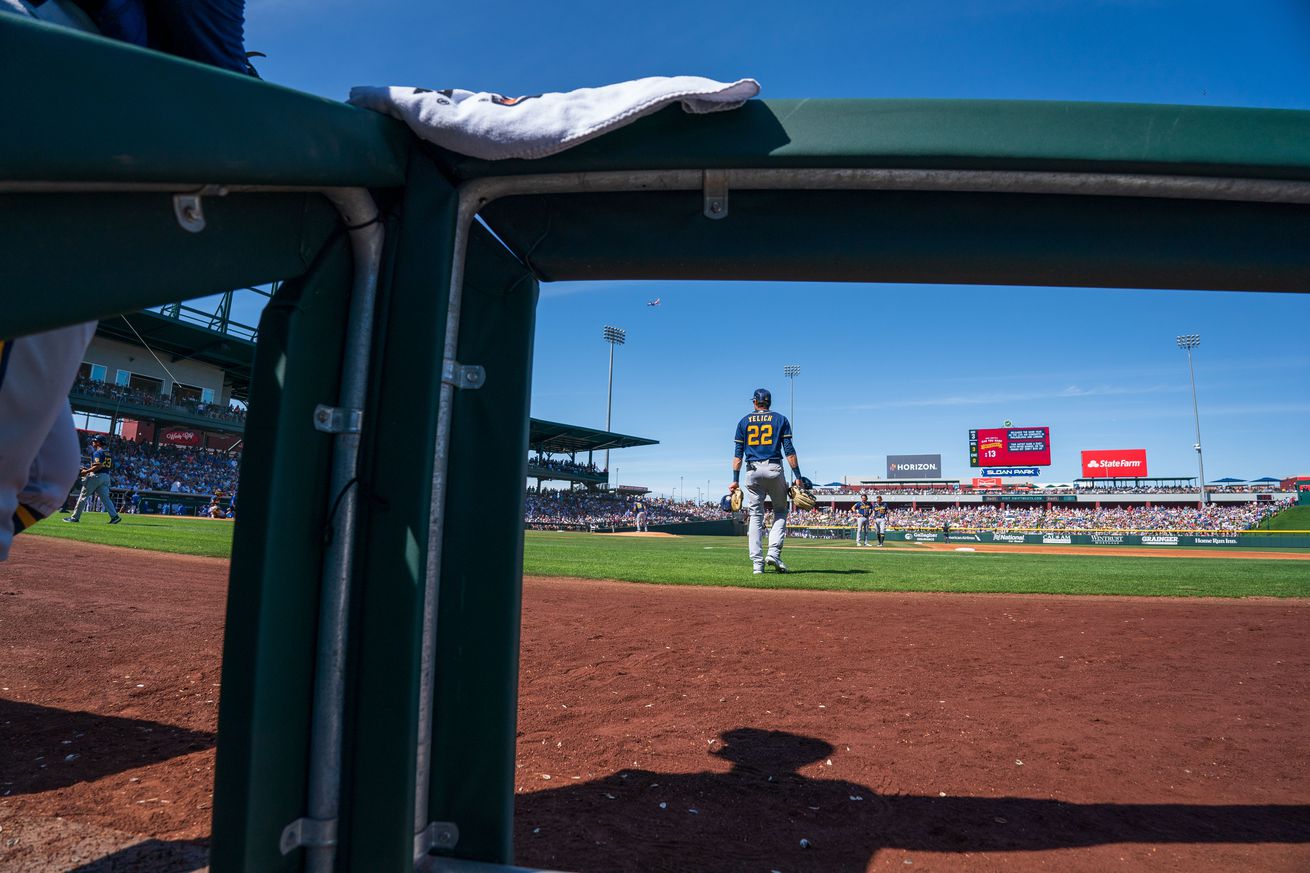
(1100, 367)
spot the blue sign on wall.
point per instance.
(1011, 471)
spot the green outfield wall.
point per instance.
(1244, 540)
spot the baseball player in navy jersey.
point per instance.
(640, 507)
(95, 482)
(862, 510)
(880, 512)
(763, 438)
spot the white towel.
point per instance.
(492, 127)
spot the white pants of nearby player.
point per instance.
(880, 528)
(641, 521)
(39, 454)
(765, 479)
(861, 531)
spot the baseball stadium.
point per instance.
(290, 619)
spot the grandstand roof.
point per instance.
(557, 438)
(175, 339)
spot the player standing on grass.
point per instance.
(95, 482)
(880, 512)
(763, 437)
(862, 510)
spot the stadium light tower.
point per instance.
(1187, 343)
(615, 336)
(791, 371)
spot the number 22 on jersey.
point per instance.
(759, 435)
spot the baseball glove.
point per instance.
(801, 496)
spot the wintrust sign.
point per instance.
(1113, 463)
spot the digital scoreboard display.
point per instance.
(1007, 446)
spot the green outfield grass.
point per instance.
(161, 533)
(815, 564)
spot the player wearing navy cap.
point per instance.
(880, 512)
(95, 482)
(763, 438)
(862, 510)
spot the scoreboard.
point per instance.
(1007, 446)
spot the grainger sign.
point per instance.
(1112, 463)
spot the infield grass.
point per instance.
(815, 564)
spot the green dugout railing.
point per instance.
(370, 660)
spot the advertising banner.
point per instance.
(1111, 463)
(1029, 472)
(986, 482)
(180, 436)
(914, 466)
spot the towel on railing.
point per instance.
(493, 127)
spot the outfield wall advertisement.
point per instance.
(1104, 539)
(1080, 538)
(1111, 463)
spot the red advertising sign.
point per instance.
(986, 482)
(1112, 463)
(181, 436)
(1010, 447)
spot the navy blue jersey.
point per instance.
(763, 435)
(101, 457)
(880, 510)
(863, 508)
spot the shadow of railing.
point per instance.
(43, 748)
(756, 816)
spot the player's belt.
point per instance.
(750, 465)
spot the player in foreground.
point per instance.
(95, 482)
(880, 511)
(763, 437)
(862, 511)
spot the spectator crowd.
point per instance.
(577, 510)
(559, 465)
(126, 394)
(177, 469)
(1211, 517)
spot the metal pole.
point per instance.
(1200, 462)
(609, 403)
(324, 797)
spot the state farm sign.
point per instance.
(181, 436)
(1110, 463)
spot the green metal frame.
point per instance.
(88, 159)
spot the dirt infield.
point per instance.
(710, 729)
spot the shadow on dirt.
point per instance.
(42, 748)
(152, 856)
(764, 815)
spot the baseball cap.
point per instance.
(98, 439)
(763, 397)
